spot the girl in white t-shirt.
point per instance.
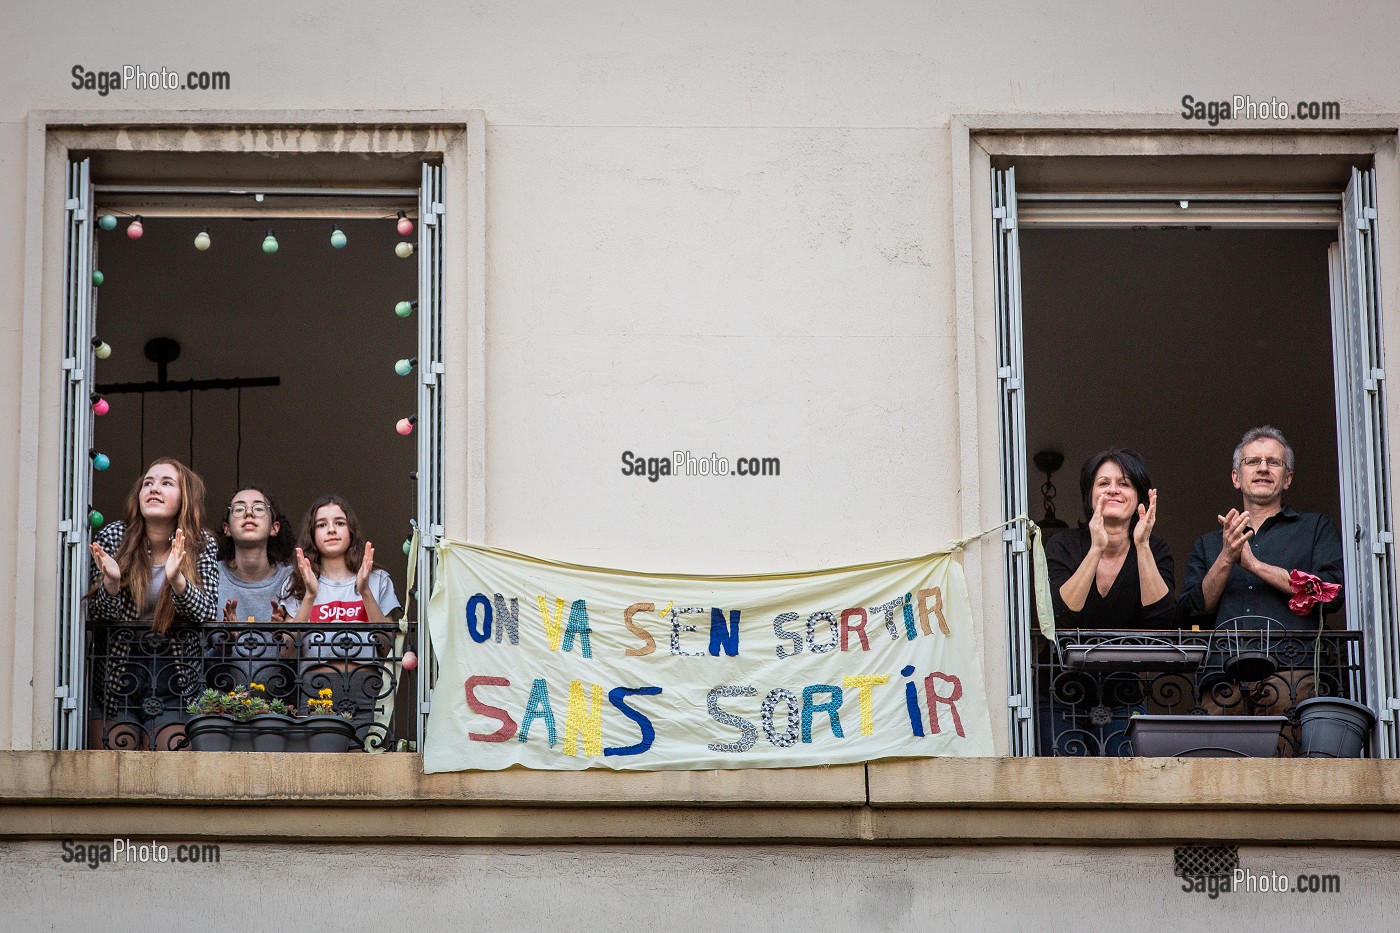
(336, 580)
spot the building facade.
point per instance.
(861, 240)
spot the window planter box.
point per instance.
(1205, 736)
(270, 732)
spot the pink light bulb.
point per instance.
(405, 425)
(135, 229)
(410, 661)
(405, 225)
(100, 407)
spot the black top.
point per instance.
(1306, 541)
(1122, 607)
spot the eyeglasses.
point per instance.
(1272, 463)
(257, 509)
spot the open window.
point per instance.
(1172, 322)
(252, 364)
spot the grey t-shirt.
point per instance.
(254, 599)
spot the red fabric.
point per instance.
(1308, 591)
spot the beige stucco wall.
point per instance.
(714, 227)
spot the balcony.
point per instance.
(1092, 681)
(138, 683)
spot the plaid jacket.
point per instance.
(192, 608)
(197, 604)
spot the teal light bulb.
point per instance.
(407, 546)
(404, 308)
(337, 238)
(269, 243)
(100, 462)
(107, 222)
(404, 367)
(97, 277)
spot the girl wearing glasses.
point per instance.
(255, 558)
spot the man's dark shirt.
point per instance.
(1306, 541)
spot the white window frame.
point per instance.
(452, 441)
(1363, 445)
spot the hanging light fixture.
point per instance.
(269, 245)
(135, 228)
(338, 238)
(201, 239)
(405, 225)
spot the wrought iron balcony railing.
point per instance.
(1089, 685)
(138, 683)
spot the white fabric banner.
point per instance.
(559, 666)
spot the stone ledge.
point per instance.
(232, 777)
(395, 779)
(989, 801)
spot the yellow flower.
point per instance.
(257, 686)
(325, 691)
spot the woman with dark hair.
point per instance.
(255, 557)
(336, 580)
(1114, 573)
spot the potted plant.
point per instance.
(1328, 726)
(324, 729)
(239, 720)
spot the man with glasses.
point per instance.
(1240, 571)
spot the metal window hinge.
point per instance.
(1383, 539)
(1014, 700)
(1023, 712)
(426, 706)
(431, 372)
(1373, 379)
(1012, 382)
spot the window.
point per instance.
(251, 325)
(1159, 258)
